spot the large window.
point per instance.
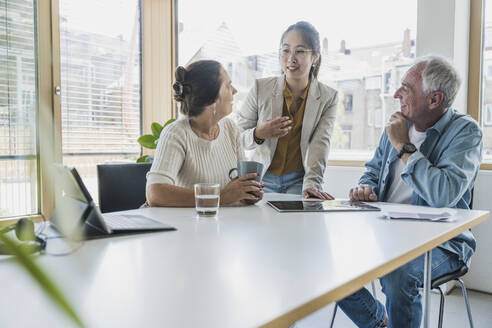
(18, 109)
(366, 48)
(100, 83)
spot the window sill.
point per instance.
(4, 222)
(355, 163)
(347, 163)
(486, 166)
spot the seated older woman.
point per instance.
(203, 146)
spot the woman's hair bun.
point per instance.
(178, 91)
(181, 89)
(197, 86)
(180, 74)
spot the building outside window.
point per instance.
(489, 71)
(361, 60)
(100, 76)
(487, 120)
(378, 118)
(373, 82)
(486, 114)
(100, 93)
(347, 102)
(370, 117)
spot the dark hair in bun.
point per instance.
(180, 89)
(197, 86)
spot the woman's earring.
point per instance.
(214, 112)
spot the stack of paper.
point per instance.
(435, 217)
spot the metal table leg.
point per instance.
(427, 285)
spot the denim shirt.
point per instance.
(441, 174)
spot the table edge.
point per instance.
(346, 289)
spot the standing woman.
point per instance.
(288, 120)
(203, 146)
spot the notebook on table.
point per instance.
(320, 206)
(75, 209)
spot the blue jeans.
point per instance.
(290, 183)
(401, 287)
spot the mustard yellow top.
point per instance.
(287, 157)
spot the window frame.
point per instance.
(158, 62)
(159, 54)
(475, 64)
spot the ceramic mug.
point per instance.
(245, 167)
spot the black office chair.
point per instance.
(436, 284)
(121, 186)
(456, 276)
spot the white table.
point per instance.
(250, 267)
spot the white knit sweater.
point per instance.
(183, 159)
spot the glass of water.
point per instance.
(207, 199)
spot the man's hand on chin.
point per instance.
(397, 130)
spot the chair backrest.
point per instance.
(121, 186)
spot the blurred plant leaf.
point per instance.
(143, 159)
(26, 260)
(169, 122)
(150, 140)
(147, 141)
(156, 129)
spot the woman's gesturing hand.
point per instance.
(276, 128)
(313, 193)
(242, 189)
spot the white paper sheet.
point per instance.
(435, 217)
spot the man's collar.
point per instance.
(443, 121)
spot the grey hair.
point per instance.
(439, 75)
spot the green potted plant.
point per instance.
(150, 140)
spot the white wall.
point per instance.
(339, 180)
(480, 275)
(437, 19)
(446, 24)
(460, 59)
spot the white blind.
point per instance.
(18, 107)
(100, 76)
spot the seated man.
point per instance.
(429, 154)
